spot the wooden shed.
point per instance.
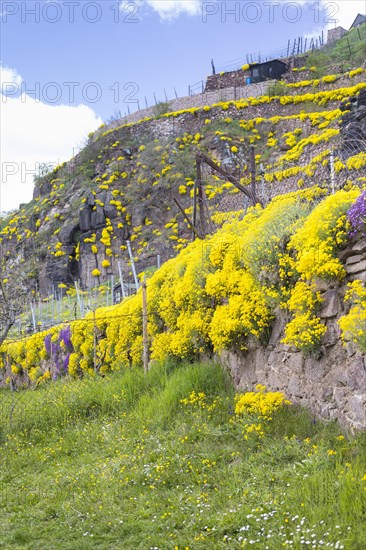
(270, 70)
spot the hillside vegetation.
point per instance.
(97, 453)
(174, 461)
(222, 293)
(121, 187)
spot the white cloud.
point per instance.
(32, 132)
(167, 9)
(329, 14)
(10, 80)
(170, 9)
(346, 12)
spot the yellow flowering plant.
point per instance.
(220, 293)
(353, 325)
(254, 410)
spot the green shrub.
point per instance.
(161, 108)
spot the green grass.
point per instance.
(120, 462)
(348, 52)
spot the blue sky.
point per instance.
(66, 66)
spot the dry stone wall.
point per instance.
(231, 86)
(228, 79)
(231, 93)
(332, 385)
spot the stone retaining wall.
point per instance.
(228, 79)
(232, 93)
(333, 385)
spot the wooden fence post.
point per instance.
(145, 336)
(253, 172)
(94, 342)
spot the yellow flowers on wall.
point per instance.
(219, 293)
(315, 243)
(324, 230)
(305, 330)
(353, 325)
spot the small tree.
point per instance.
(17, 280)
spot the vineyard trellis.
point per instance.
(254, 183)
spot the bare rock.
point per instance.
(346, 253)
(356, 375)
(295, 387)
(340, 395)
(90, 200)
(85, 219)
(321, 285)
(351, 349)
(277, 330)
(355, 259)
(331, 337)
(357, 406)
(356, 268)
(358, 277)
(359, 246)
(66, 233)
(97, 218)
(295, 362)
(331, 305)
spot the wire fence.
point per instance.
(63, 304)
(296, 46)
(328, 167)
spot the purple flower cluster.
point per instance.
(65, 336)
(47, 344)
(65, 364)
(357, 216)
(55, 352)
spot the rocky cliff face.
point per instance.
(333, 384)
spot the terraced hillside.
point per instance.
(122, 187)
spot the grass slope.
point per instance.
(120, 462)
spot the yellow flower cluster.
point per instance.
(218, 293)
(316, 241)
(260, 403)
(315, 245)
(328, 79)
(199, 401)
(353, 325)
(314, 139)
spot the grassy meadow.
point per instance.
(164, 462)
